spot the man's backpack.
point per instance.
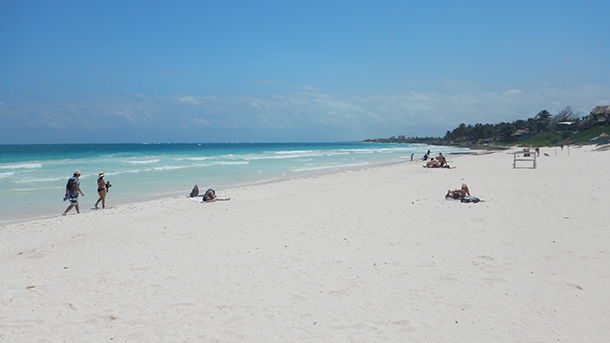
(71, 185)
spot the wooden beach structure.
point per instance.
(600, 115)
(524, 156)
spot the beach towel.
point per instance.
(470, 198)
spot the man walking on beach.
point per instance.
(72, 191)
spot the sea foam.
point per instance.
(314, 168)
(151, 161)
(6, 175)
(40, 179)
(22, 166)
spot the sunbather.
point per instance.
(441, 159)
(458, 193)
(210, 196)
(433, 163)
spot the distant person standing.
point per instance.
(72, 192)
(426, 155)
(102, 189)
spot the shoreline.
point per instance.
(228, 187)
(33, 189)
(219, 188)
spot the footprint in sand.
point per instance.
(575, 286)
(489, 265)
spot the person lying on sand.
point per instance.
(435, 163)
(462, 194)
(458, 193)
(210, 196)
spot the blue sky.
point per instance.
(250, 71)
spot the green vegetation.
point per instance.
(544, 139)
(587, 135)
(562, 137)
(544, 129)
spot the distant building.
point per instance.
(521, 132)
(600, 115)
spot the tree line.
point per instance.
(565, 121)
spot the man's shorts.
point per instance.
(73, 198)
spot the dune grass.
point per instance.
(559, 137)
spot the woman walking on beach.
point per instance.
(102, 189)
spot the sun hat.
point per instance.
(100, 174)
(77, 172)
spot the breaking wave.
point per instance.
(22, 166)
(151, 161)
(6, 175)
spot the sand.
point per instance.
(373, 255)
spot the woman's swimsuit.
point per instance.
(98, 185)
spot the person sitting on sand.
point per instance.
(426, 155)
(210, 196)
(436, 163)
(458, 193)
(441, 159)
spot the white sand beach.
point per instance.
(373, 255)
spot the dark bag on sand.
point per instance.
(194, 192)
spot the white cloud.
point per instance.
(308, 110)
(200, 122)
(188, 99)
(267, 82)
(512, 91)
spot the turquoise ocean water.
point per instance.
(33, 177)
